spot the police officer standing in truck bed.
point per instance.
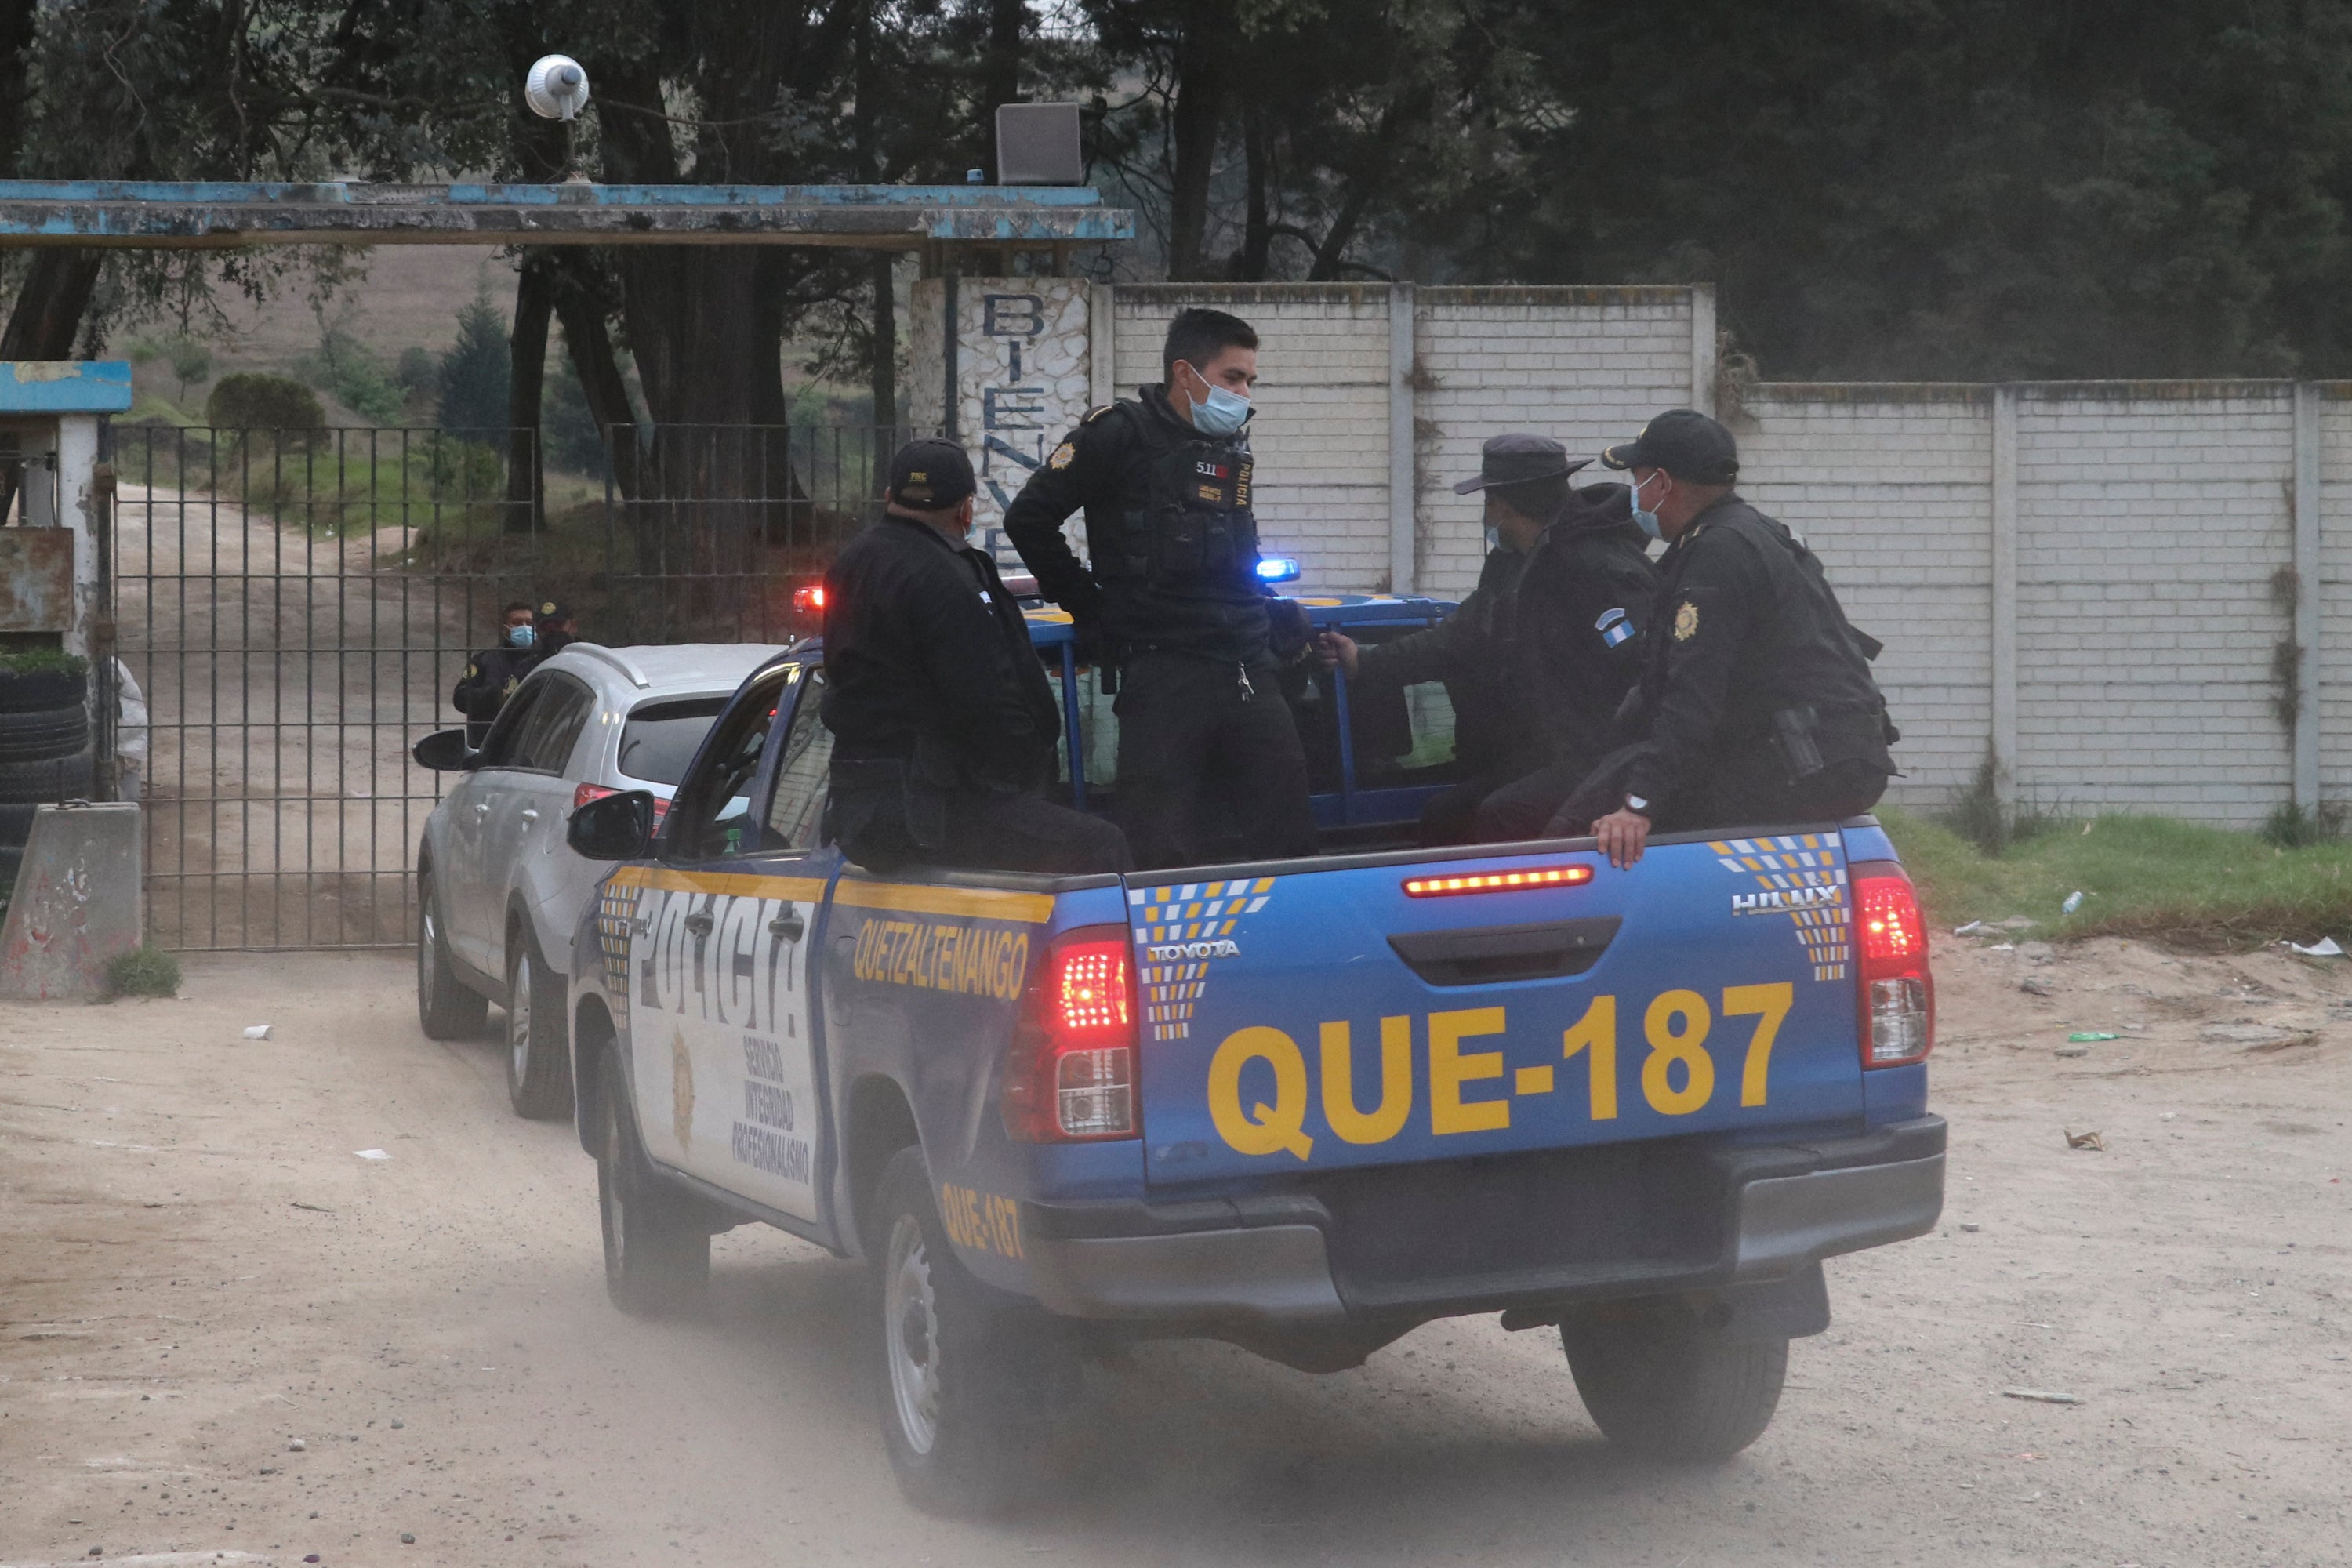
(944, 727)
(1171, 588)
(1757, 708)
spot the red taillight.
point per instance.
(1498, 881)
(809, 601)
(1071, 1074)
(1896, 995)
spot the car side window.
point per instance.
(553, 730)
(798, 804)
(499, 746)
(711, 818)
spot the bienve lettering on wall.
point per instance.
(1024, 379)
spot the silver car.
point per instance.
(498, 890)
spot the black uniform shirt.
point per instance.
(1745, 626)
(1582, 605)
(1105, 465)
(1466, 650)
(491, 678)
(923, 648)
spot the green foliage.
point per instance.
(2289, 826)
(191, 361)
(355, 373)
(252, 400)
(2140, 876)
(1980, 816)
(143, 972)
(475, 372)
(568, 432)
(43, 662)
(418, 372)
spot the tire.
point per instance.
(68, 776)
(538, 1078)
(657, 1251)
(37, 737)
(967, 1373)
(445, 1009)
(1669, 1390)
(48, 689)
(16, 823)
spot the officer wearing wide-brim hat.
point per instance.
(1757, 705)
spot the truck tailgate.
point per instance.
(1326, 1017)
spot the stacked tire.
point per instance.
(44, 752)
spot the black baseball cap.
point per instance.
(1518, 460)
(1684, 442)
(930, 474)
(550, 611)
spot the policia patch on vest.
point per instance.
(1063, 456)
(1685, 621)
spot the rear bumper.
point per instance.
(1286, 1259)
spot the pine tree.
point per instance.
(474, 373)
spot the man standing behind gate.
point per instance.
(1171, 589)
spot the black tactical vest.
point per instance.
(1195, 526)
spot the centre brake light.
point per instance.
(809, 601)
(1498, 881)
(1896, 995)
(1070, 1077)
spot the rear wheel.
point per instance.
(539, 1084)
(445, 1009)
(657, 1253)
(1664, 1387)
(967, 1373)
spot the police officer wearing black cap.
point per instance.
(556, 627)
(1537, 659)
(1170, 589)
(1758, 706)
(944, 727)
(493, 673)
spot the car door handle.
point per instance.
(788, 926)
(480, 807)
(640, 926)
(530, 813)
(698, 923)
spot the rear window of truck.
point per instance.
(660, 738)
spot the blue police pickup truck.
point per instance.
(1302, 1106)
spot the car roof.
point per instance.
(665, 668)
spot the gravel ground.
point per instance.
(228, 1339)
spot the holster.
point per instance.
(1796, 734)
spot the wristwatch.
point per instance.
(1635, 802)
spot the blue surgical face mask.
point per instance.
(1647, 521)
(521, 637)
(1494, 539)
(1225, 412)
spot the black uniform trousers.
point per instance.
(989, 833)
(1201, 759)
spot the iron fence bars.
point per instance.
(296, 607)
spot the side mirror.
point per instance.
(613, 827)
(445, 752)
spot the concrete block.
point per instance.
(78, 906)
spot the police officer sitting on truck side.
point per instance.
(1551, 624)
(1757, 708)
(944, 726)
(492, 675)
(1171, 588)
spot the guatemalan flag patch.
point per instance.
(1613, 628)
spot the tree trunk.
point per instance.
(1257, 224)
(1203, 83)
(999, 68)
(578, 307)
(17, 21)
(51, 304)
(527, 369)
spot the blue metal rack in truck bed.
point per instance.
(1302, 1106)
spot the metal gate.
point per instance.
(295, 606)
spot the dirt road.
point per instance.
(197, 1275)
